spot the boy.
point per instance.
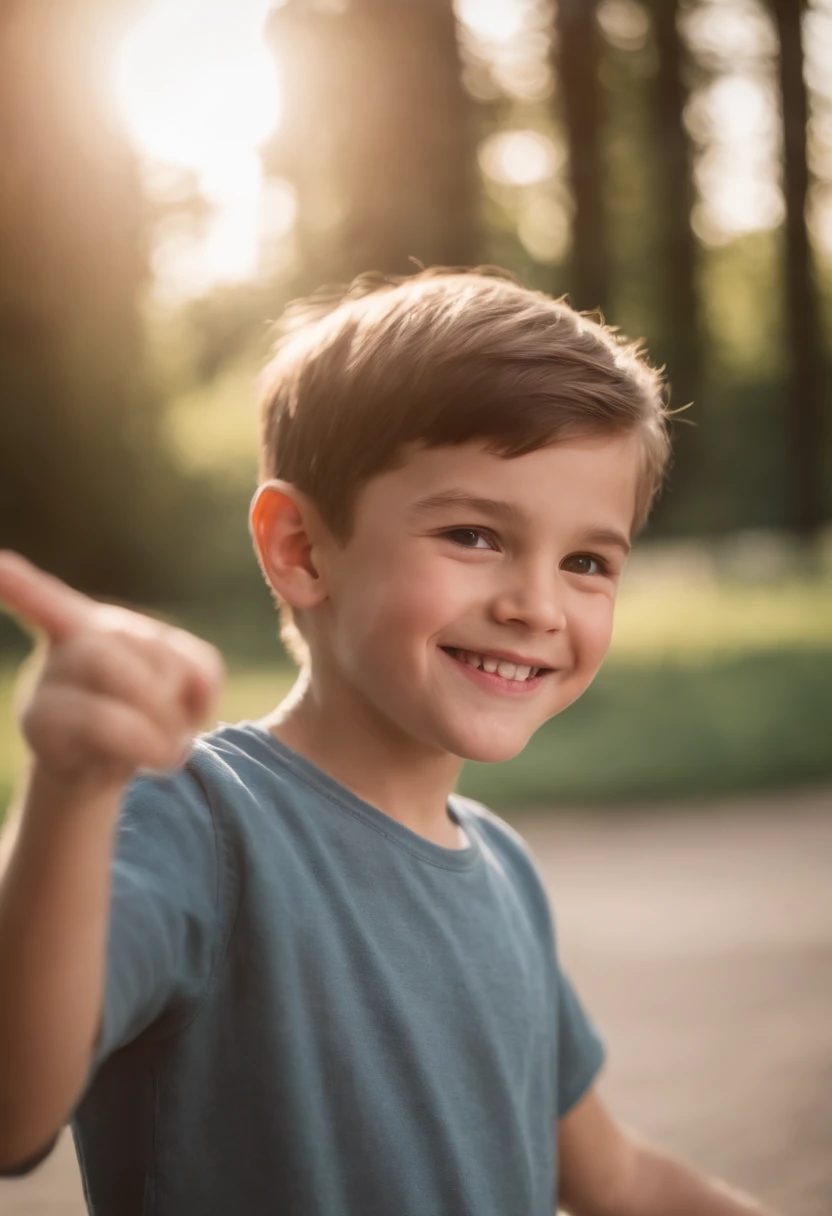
(299, 975)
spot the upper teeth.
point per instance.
(509, 671)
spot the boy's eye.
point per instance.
(585, 563)
(469, 538)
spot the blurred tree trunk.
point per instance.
(803, 323)
(377, 136)
(80, 463)
(577, 67)
(682, 328)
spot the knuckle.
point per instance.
(164, 649)
(112, 618)
(170, 677)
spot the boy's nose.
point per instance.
(535, 600)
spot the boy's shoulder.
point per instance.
(194, 812)
(230, 759)
(217, 761)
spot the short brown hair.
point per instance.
(446, 356)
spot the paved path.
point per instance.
(702, 942)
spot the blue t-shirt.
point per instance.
(312, 1010)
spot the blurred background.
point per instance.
(174, 171)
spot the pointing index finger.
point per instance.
(41, 600)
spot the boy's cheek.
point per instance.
(594, 630)
(392, 620)
(600, 646)
(416, 605)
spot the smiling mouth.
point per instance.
(517, 672)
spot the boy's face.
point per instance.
(460, 559)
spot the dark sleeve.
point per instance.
(580, 1048)
(165, 911)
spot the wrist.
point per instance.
(55, 793)
(662, 1183)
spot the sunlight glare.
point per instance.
(519, 158)
(543, 229)
(625, 23)
(492, 20)
(197, 88)
(735, 120)
(730, 34)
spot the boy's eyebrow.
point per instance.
(607, 536)
(511, 512)
(495, 507)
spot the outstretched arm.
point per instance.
(607, 1171)
(115, 692)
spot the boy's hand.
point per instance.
(115, 691)
(605, 1168)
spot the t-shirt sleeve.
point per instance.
(581, 1050)
(164, 932)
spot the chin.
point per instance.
(489, 750)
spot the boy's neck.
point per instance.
(404, 779)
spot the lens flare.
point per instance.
(198, 89)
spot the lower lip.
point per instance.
(497, 683)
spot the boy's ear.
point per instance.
(284, 525)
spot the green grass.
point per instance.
(11, 745)
(690, 621)
(676, 730)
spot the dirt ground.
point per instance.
(701, 940)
